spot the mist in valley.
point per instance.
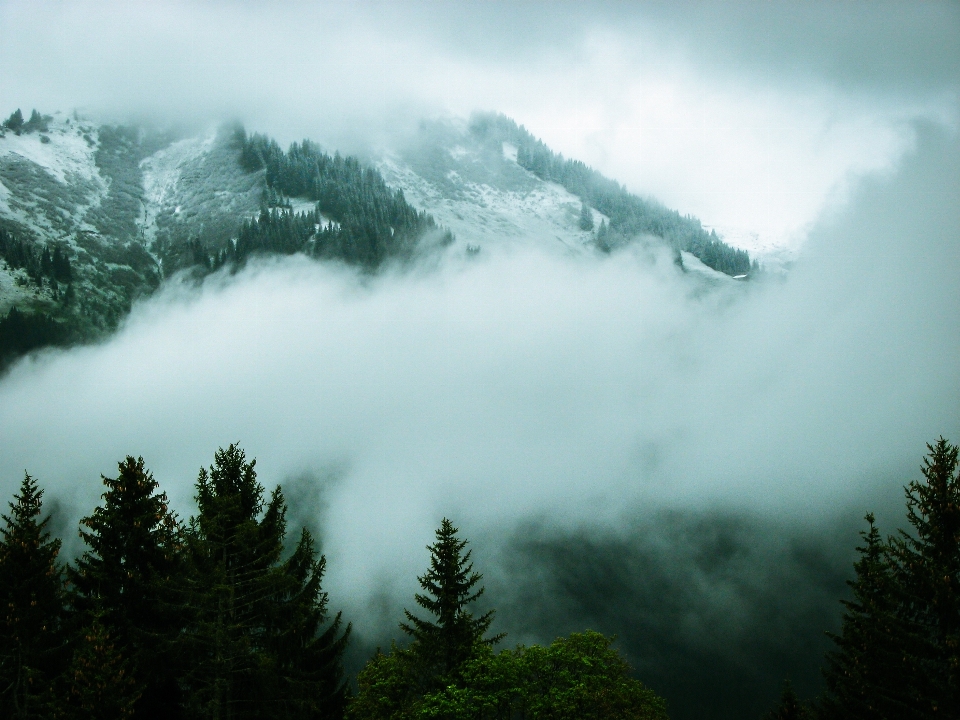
(628, 449)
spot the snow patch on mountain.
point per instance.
(49, 180)
(65, 150)
(479, 213)
(162, 173)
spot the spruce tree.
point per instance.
(31, 607)
(865, 674)
(131, 578)
(15, 121)
(928, 566)
(443, 644)
(586, 217)
(98, 685)
(258, 646)
(789, 708)
(309, 668)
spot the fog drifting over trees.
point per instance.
(559, 408)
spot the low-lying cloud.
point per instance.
(538, 399)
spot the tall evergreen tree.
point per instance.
(586, 217)
(258, 647)
(443, 644)
(31, 607)
(131, 578)
(865, 674)
(928, 566)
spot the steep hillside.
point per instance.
(93, 217)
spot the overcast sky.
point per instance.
(576, 393)
(752, 116)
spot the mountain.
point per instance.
(490, 180)
(95, 216)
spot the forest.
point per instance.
(225, 615)
(629, 214)
(357, 218)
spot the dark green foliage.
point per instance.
(897, 656)
(371, 222)
(255, 638)
(928, 574)
(865, 674)
(789, 708)
(21, 332)
(441, 645)
(629, 215)
(98, 684)
(129, 579)
(450, 671)
(577, 677)
(39, 263)
(31, 605)
(37, 123)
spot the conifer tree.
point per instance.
(131, 577)
(15, 121)
(586, 217)
(865, 674)
(443, 644)
(789, 708)
(258, 646)
(928, 566)
(98, 684)
(31, 607)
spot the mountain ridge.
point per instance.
(125, 207)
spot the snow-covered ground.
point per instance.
(163, 171)
(33, 164)
(68, 152)
(774, 249)
(480, 214)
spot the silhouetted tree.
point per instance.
(31, 607)
(928, 574)
(442, 644)
(15, 121)
(865, 675)
(257, 644)
(131, 579)
(98, 684)
(789, 707)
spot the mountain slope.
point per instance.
(93, 217)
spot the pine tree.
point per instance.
(586, 217)
(928, 565)
(865, 674)
(309, 658)
(15, 121)
(443, 644)
(789, 707)
(98, 684)
(31, 607)
(257, 643)
(131, 577)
